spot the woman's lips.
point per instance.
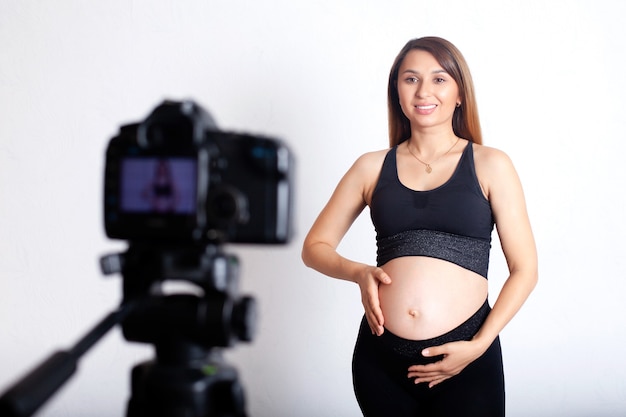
(425, 109)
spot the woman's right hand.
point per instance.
(369, 280)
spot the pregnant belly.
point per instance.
(429, 297)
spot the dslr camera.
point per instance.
(175, 177)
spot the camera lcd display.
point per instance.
(155, 185)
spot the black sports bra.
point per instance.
(452, 222)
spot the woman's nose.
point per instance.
(422, 90)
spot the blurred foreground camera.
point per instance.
(176, 177)
(177, 188)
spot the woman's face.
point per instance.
(428, 94)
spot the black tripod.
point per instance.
(188, 377)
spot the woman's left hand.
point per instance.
(456, 356)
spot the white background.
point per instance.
(550, 80)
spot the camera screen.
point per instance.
(154, 185)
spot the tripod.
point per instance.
(188, 377)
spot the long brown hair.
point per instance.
(465, 122)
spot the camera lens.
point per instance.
(229, 204)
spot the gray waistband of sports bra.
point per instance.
(469, 253)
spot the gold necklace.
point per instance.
(428, 165)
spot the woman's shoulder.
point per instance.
(489, 158)
(494, 169)
(372, 159)
(367, 166)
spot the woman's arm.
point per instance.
(518, 244)
(319, 250)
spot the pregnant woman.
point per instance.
(428, 344)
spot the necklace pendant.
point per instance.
(428, 169)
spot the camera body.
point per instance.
(176, 178)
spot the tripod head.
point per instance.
(217, 317)
(188, 376)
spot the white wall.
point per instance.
(550, 82)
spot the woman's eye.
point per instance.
(411, 80)
(440, 80)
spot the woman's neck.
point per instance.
(431, 142)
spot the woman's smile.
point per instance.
(425, 109)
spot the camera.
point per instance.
(175, 177)
(177, 188)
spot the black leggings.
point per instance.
(380, 367)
